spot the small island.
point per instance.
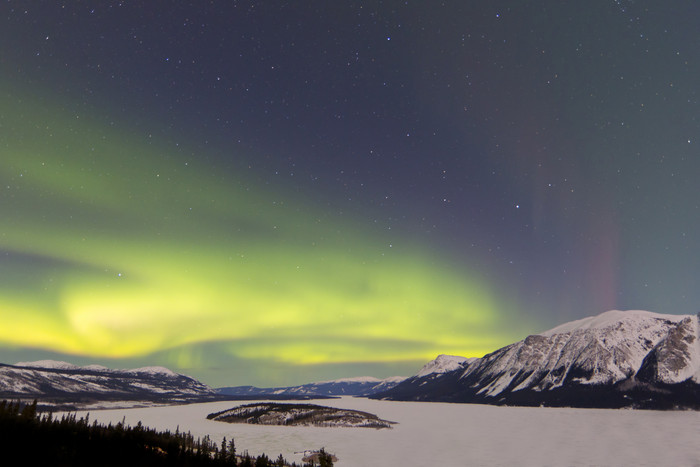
(269, 413)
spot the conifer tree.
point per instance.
(261, 461)
(206, 446)
(29, 411)
(232, 451)
(247, 461)
(325, 459)
(222, 453)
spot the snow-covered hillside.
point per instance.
(606, 359)
(48, 378)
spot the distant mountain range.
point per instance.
(360, 386)
(64, 382)
(617, 359)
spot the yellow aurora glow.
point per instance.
(116, 248)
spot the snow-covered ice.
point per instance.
(455, 434)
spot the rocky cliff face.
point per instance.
(676, 358)
(616, 359)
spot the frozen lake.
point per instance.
(454, 434)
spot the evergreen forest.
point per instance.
(30, 438)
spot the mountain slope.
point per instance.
(60, 380)
(616, 359)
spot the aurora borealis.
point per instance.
(107, 254)
(276, 193)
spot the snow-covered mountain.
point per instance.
(616, 359)
(61, 380)
(357, 386)
(443, 364)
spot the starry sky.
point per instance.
(273, 193)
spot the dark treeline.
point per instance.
(68, 441)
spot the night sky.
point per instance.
(273, 193)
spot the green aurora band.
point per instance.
(115, 247)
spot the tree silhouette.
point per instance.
(325, 459)
(69, 441)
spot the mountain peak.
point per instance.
(442, 364)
